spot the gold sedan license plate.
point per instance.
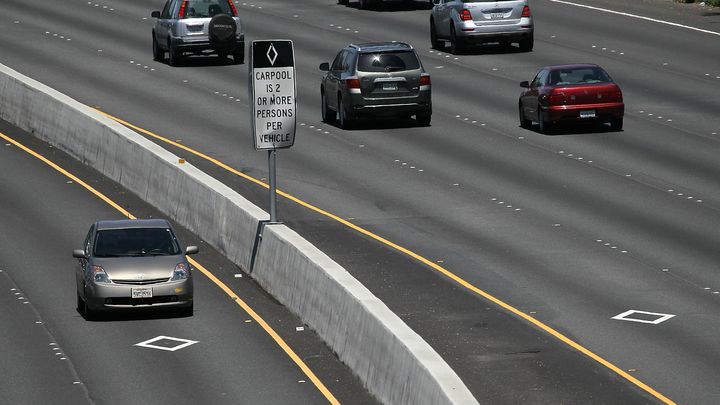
(142, 292)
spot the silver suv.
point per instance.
(375, 79)
(197, 26)
(463, 22)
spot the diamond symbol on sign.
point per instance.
(272, 54)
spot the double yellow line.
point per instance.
(459, 280)
(254, 315)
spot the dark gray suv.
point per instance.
(197, 26)
(375, 79)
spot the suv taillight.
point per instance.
(465, 15)
(232, 7)
(425, 79)
(183, 10)
(352, 83)
(526, 12)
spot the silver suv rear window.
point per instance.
(207, 8)
(388, 61)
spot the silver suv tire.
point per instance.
(328, 115)
(158, 53)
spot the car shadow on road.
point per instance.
(394, 7)
(205, 61)
(581, 128)
(483, 49)
(381, 124)
(140, 315)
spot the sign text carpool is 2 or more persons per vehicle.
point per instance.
(273, 90)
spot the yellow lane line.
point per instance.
(270, 331)
(254, 315)
(417, 257)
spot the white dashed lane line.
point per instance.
(405, 165)
(443, 54)
(251, 5)
(341, 28)
(611, 246)
(505, 204)
(655, 116)
(582, 159)
(57, 35)
(606, 49)
(104, 7)
(655, 20)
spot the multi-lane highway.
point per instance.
(467, 223)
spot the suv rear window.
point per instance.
(388, 61)
(207, 8)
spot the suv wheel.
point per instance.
(343, 2)
(174, 55)
(365, 4)
(345, 122)
(239, 55)
(456, 45)
(328, 115)
(434, 41)
(158, 53)
(526, 44)
(423, 118)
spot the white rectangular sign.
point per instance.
(273, 88)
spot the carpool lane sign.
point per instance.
(272, 86)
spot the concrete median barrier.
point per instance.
(395, 363)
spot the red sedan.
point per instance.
(566, 93)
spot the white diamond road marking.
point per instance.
(183, 343)
(626, 316)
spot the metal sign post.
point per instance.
(272, 97)
(272, 169)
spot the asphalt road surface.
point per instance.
(571, 229)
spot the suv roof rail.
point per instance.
(385, 44)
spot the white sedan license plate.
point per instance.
(587, 113)
(142, 293)
(390, 86)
